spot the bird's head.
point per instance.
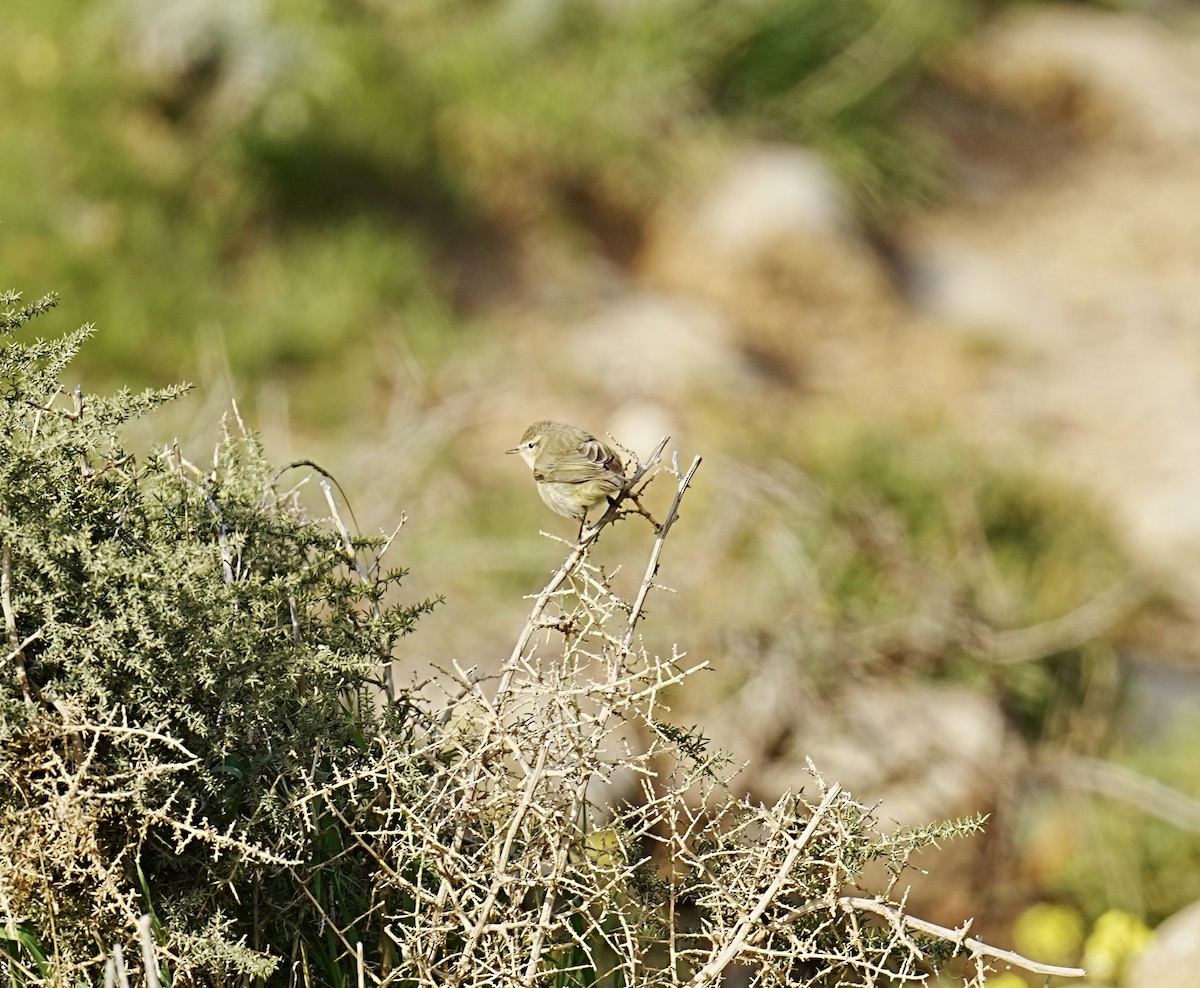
(532, 442)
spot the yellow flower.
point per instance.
(1049, 933)
(1007, 980)
(1115, 940)
(603, 848)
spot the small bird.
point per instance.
(574, 470)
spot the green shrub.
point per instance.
(188, 651)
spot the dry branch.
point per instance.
(1086, 623)
(552, 821)
(1133, 788)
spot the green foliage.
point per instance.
(889, 550)
(344, 174)
(1132, 846)
(979, 547)
(189, 651)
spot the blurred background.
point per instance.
(920, 279)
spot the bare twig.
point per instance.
(656, 553)
(365, 577)
(347, 542)
(149, 957)
(499, 878)
(1124, 784)
(114, 969)
(711, 971)
(1080, 626)
(16, 647)
(977, 947)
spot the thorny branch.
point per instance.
(635, 612)
(587, 538)
(558, 826)
(16, 654)
(977, 947)
(733, 946)
(555, 829)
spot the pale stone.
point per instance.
(1173, 958)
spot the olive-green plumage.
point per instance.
(574, 470)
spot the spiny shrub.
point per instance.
(187, 652)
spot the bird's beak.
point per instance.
(515, 449)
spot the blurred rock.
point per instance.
(1079, 282)
(768, 194)
(925, 751)
(657, 346)
(221, 59)
(771, 240)
(1100, 71)
(958, 284)
(1173, 958)
(932, 752)
(919, 752)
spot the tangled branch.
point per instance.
(557, 825)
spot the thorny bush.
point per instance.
(197, 726)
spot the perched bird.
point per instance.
(574, 470)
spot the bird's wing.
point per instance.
(599, 453)
(592, 461)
